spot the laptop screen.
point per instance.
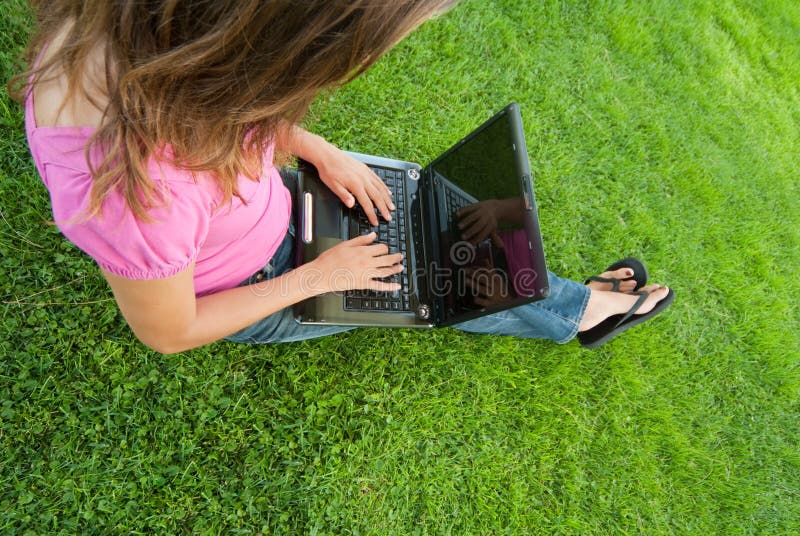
(489, 258)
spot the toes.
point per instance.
(651, 288)
(622, 273)
(657, 292)
(627, 286)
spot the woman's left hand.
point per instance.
(348, 178)
(353, 181)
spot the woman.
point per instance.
(155, 124)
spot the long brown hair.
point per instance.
(210, 80)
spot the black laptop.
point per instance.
(466, 223)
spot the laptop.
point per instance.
(467, 224)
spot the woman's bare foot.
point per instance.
(622, 273)
(603, 303)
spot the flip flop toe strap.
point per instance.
(643, 295)
(613, 280)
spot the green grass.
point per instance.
(667, 130)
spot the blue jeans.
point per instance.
(556, 318)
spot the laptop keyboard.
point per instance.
(393, 234)
(455, 202)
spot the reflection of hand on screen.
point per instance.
(489, 287)
(479, 221)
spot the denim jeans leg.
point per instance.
(557, 317)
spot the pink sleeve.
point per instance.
(124, 246)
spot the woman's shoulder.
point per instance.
(55, 104)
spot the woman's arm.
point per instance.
(165, 315)
(348, 178)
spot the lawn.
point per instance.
(668, 130)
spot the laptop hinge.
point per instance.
(430, 302)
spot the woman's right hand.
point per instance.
(357, 263)
(479, 221)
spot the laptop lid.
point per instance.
(488, 256)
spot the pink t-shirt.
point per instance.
(227, 243)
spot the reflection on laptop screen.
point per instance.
(484, 250)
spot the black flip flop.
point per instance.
(639, 274)
(614, 325)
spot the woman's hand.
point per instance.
(355, 264)
(489, 287)
(352, 180)
(479, 221)
(348, 178)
